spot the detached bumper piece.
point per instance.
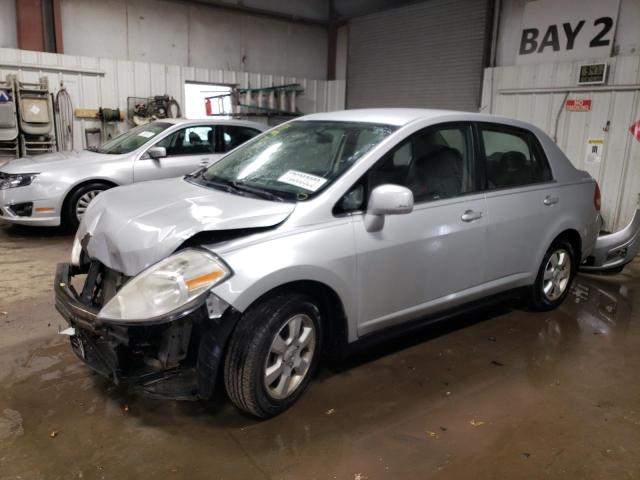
(161, 360)
(613, 251)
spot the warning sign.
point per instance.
(594, 150)
(578, 105)
(635, 130)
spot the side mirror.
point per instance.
(157, 152)
(387, 200)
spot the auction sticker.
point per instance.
(146, 134)
(302, 180)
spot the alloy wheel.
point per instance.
(84, 201)
(290, 356)
(557, 273)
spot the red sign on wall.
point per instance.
(635, 130)
(578, 105)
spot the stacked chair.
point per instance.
(35, 113)
(8, 119)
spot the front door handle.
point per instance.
(204, 162)
(549, 200)
(470, 216)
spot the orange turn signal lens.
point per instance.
(44, 210)
(196, 282)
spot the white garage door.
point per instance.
(429, 54)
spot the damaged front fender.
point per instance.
(177, 359)
(613, 251)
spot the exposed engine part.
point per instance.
(175, 343)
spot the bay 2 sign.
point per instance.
(554, 31)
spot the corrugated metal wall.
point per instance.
(107, 83)
(425, 55)
(611, 115)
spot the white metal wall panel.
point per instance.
(619, 171)
(107, 83)
(424, 55)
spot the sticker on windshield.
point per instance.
(146, 134)
(302, 180)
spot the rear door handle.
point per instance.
(470, 216)
(549, 200)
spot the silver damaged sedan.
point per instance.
(321, 235)
(56, 188)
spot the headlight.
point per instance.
(166, 286)
(8, 180)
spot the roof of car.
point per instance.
(208, 121)
(389, 116)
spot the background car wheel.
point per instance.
(555, 276)
(78, 201)
(272, 354)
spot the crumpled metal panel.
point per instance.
(132, 227)
(615, 250)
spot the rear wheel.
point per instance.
(272, 354)
(78, 201)
(555, 276)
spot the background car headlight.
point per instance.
(166, 286)
(17, 180)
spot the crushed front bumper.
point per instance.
(177, 359)
(613, 251)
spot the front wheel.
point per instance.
(79, 201)
(555, 276)
(272, 354)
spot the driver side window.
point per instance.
(434, 163)
(193, 140)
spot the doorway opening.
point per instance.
(194, 100)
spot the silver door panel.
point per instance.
(417, 259)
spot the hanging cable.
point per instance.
(109, 114)
(64, 109)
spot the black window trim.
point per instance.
(532, 142)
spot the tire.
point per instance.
(251, 354)
(76, 201)
(554, 282)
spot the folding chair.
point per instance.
(8, 119)
(35, 113)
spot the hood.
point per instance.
(46, 161)
(133, 227)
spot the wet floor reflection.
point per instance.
(503, 391)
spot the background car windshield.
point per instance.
(134, 138)
(300, 158)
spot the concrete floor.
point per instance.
(500, 393)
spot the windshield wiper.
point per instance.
(197, 173)
(260, 192)
(233, 186)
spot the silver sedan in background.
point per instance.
(56, 188)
